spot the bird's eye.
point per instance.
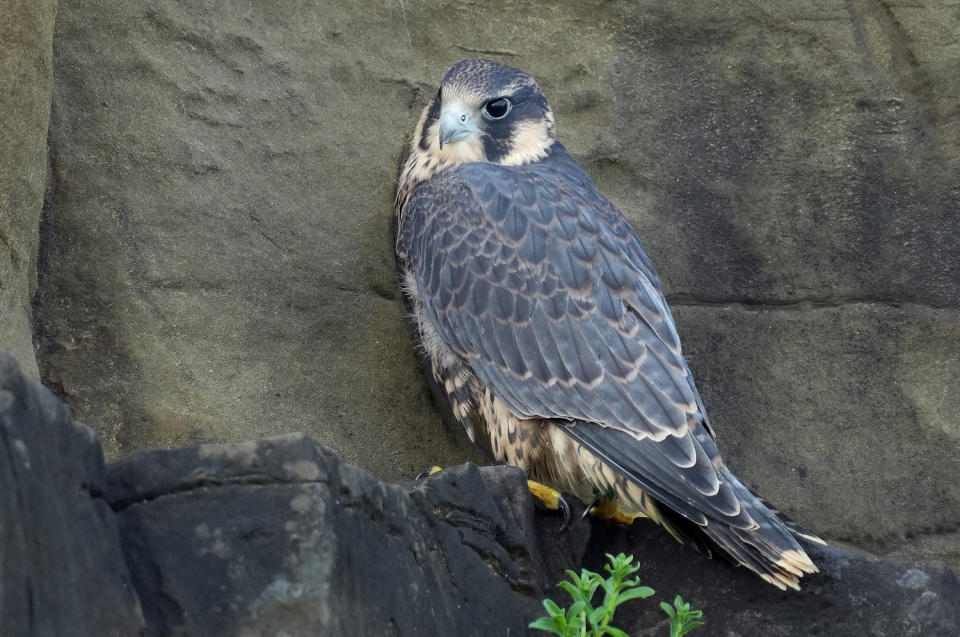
(496, 109)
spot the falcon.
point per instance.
(544, 323)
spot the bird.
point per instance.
(543, 322)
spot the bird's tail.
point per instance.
(770, 549)
(698, 501)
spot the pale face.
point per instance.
(486, 111)
(483, 111)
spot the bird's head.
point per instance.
(486, 111)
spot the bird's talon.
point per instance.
(551, 499)
(606, 508)
(565, 510)
(427, 471)
(587, 511)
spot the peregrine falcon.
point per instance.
(544, 323)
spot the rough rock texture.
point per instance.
(26, 59)
(279, 537)
(217, 260)
(62, 570)
(854, 593)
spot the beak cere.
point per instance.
(456, 124)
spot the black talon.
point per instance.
(426, 472)
(586, 511)
(565, 509)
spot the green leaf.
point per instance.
(575, 625)
(668, 609)
(598, 614)
(641, 592)
(552, 609)
(550, 625)
(620, 566)
(610, 630)
(572, 591)
(592, 589)
(573, 577)
(576, 609)
(681, 631)
(609, 589)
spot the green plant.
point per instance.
(682, 619)
(582, 619)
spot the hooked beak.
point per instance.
(456, 124)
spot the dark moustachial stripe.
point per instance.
(496, 147)
(433, 112)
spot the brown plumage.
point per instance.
(545, 324)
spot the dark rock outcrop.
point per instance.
(854, 593)
(280, 537)
(62, 570)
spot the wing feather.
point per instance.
(559, 257)
(558, 311)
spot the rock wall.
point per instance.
(26, 60)
(216, 260)
(218, 263)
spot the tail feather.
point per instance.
(757, 536)
(794, 527)
(769, 549)
(745, 554)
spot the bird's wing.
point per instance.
(538, 282)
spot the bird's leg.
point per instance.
(428, 471)
(605, 507)
(547, 496)
(551, 499)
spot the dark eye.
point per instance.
(496, 109)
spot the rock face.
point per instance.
(26, 60)
(279, 537)
(216, 261)
(217, 256)
(854, 593)
(61, 564)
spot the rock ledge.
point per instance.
(279, 536)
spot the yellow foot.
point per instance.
(426, 472)
(605, 507)
(550, 498)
